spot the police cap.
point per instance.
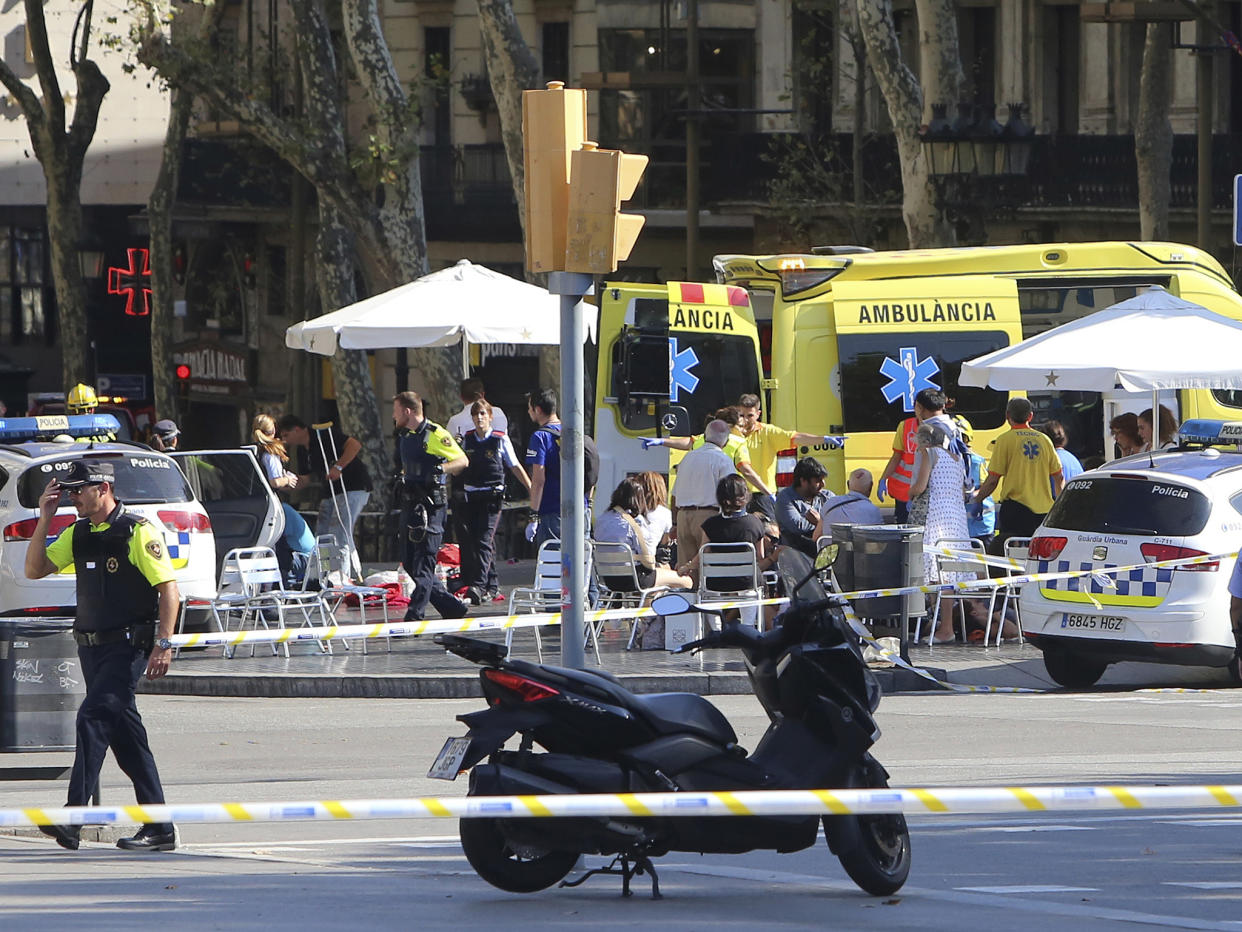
(88, 472)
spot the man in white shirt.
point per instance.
(694, 492)
(462, 422)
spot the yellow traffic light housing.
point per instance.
(599, 236)
(553, 126)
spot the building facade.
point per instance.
(771, 86)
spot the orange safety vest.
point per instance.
(903, 472)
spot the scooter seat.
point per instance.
(675, 713)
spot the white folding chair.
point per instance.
(1017, 549)
(325, 562)
(615, 561)
(722, 567)
(969, 565)
(544, 595)
(252, 589)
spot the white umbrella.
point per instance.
(1149, 342)
(465, 302)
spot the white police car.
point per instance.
(224, 488)
(1132, 513)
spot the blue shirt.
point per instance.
(981, 518)
(544, 449)
(1070, 467)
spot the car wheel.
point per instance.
(1073, 671)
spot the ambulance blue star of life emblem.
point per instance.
(908, 375)
(680, 363)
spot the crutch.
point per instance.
(354, 560)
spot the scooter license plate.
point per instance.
(448, 761)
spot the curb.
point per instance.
(460, 686)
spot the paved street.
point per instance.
(1085, 871)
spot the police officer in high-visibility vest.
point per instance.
(127, 609)
(428, 455)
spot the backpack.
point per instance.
(590, 458)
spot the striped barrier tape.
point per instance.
(913, 801)
(974, 556)
(895, 658)
(984, 585)
(413, 629)
(416, 628)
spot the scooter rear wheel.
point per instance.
(873, 849)
(515, 868)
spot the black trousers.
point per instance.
(901, 511)
(480, 514)
(1013, 519)
(420, 563)
(108, 718)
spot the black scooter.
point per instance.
(597, 737)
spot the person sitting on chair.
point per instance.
(619, 524)
(734, 525)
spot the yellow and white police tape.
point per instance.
(895, 658)
(913, 801)
(412, 628)
(400, 629)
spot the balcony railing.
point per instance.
(468, 193)
(1066, 171)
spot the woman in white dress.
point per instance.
(937, 500)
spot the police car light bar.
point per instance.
(49, 426)
(1209, 432)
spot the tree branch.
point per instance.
(27, 99)
(184, 71)
(92, 88)
(45, 66)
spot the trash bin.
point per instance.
(41, 684)
(843, 566)
(880, 553)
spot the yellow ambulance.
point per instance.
(855, 334)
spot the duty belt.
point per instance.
(96, 638)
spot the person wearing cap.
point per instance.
(164, 434)
(127, 604)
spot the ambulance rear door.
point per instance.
(897, 337)
(669, 355)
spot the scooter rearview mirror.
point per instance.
(671, 604)
(826, 557)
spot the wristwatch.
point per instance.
(164, 644)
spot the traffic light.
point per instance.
(182, 374)
(598, 235)
(553, 126)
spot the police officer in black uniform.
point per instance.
(125, 583)
(428, 455)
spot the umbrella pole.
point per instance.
(465, 356)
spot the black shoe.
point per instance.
(411, 616)
(450, 612)
(475, 595)
(148, 839)
(66, 835)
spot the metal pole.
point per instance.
(571, 286)
(693, 100)
(1203, 94)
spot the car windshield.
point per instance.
(1125, 505)
(141, 479)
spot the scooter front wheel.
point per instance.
(873, 849)
(511, 867)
